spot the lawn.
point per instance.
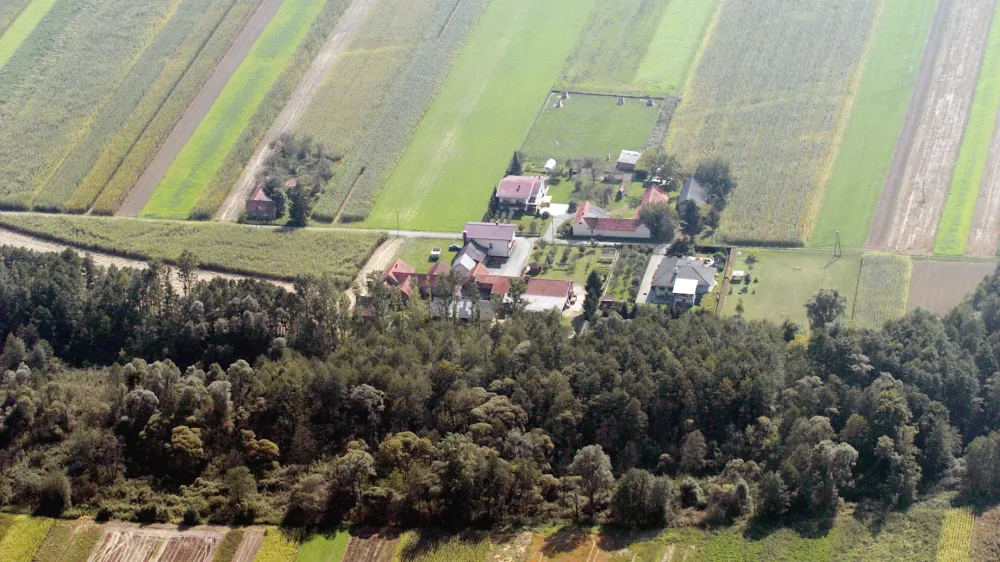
(625, 207)
(417, 252)
(862, 163)
(572, 265)
(883, 290)
(612, 46)
(783, 281)
(477, 120)
(261, 251)
(675, 46)
(323, 547)
(956, 220)
(203, 155)
(773, 104)
(22, 27)
(23, 538)
(589, 126)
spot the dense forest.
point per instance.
(237, 401)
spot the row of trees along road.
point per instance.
(237, 401)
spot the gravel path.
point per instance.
(196, 112)
(289, 116)
(379, 261)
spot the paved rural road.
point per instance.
(888, 203)
(289, 116)
(189, 122)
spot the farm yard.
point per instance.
(773, 104)
(859, 172)
(264, 252)
(476, 121)
(202, 158)
(587, 125)
(882, 290)
(931, 161)
(940, 286)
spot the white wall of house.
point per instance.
(495, 248)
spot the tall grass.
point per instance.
(263, 252)
(432, 547)
(956, 220)
(203, 154)
(279, 546)
(956, 536)
(21, 27)
(883, 289)
(23, 538)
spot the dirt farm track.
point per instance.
(940, 286)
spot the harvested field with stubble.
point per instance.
(371, 547)
(882, 289)
(773, 101)
(927, 179)
(940, 286)
(159, 542)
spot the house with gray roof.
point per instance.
(683, 280)
(692, 192)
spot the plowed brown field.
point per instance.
(940, 286)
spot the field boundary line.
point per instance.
(814, 201)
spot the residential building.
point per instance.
(547, 294)
(495, 239)
(260, 207)
(522, 193)
(692, 192)
(683, 280)
(591, 220)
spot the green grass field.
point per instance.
(589, 126)
(266, 252)
(21, 27)
(461, 149)
(675, 45)
(866, 151)
(785, 280)
(576, 268)
(323, 547)
(956, 220)
(9, 11)
(23, 538)
(417, 252)
(883, 289)
(612, 46)
(203, 154)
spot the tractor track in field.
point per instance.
(886, 209)
(199, 107)
(304, 93)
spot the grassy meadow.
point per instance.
(203, 155)
(324, 547)
(462, 147)
(863, 160)
(956, 220)
(675, 45)
(417, 252)
(589, 126)
(23, 21)
(883, 290)
(23, 538)
(784, 280)
(773, 103)
(266, 252)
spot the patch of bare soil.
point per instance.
(986, 537)
(940, 286)
(985, 234)
(371, 548)
(379, 261)
(514, 550)
(161, 543)
(253, 537)
(929, 167)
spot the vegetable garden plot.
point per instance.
(772, 100)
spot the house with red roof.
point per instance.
(523, 193)
(547, 294)
(260, 207)
(591, 220)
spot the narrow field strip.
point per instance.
(862, 163)
(960, 207)
(22, 27)
(69, 541)
(931, 162)
(956, 536)
(667, 64)
(984, 236)
(23, 538)
(386, 134)
(278, 546)
(883, 289)
(9, 11)
(773, 101)
(270, 253)
(477, 120)
(202, 156)
(323, 547)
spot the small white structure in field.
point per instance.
(435, 254)
(738, 275)
(551, 165)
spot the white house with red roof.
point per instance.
(591, 220)
(523, 193)
(547, 294)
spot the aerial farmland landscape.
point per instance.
(499, 280)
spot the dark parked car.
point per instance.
(455, 248)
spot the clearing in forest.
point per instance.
(772, 101)
(930, 163)
(882, 290)
(589, 125)
(203, 155)
(481, 115)
(862, 163)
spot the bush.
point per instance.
(692, 494)
(54, 494)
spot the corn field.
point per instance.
(135, 143)
(386, 132)
(23, 538)
(883, 289)
(772, 100)
(58, 83)
(956, 536)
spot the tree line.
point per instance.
(238, 401)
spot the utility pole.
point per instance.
(837, 250)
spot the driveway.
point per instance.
(515, 264)
(655, 260)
